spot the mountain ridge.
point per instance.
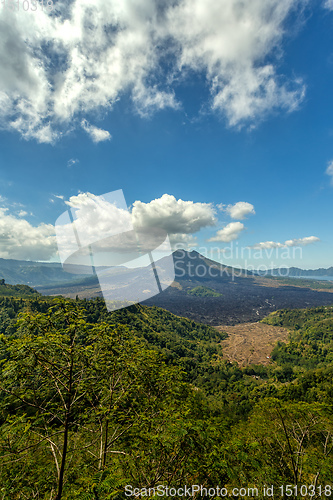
(297, 271)
(38, 274)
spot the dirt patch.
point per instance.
(251, 343)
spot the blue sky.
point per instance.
(211, 103)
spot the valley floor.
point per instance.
(251, 343)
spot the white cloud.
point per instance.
(172, 215)
(59, 196)
(97, 218)
(301, 241)
(183, 241)
(20, 240)
(72, 162)
(240, 210)
(97, 134)
(229, 41)
(329, 170)
(58, 69)
(288, 243)
(329, 4)
(228, 233)
(268, 244)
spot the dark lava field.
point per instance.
(242, 300)
(245, 298)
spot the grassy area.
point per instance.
(204, 291)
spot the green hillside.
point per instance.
(311, 338)
(182, 342)
(92, 401)
(16, 290)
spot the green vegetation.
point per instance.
(311, 339)
(204, 291)
(304, 283)
(92, 401)
(16, 290)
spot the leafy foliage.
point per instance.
(16, 290)
(92, 401)
(311, 340)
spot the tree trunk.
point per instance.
(66, 430)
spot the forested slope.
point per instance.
(92, 401)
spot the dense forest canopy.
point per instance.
(92, 401)
(16, 290)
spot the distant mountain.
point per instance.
(293, 272)
(237, 295)
(37, 273)
(193, 265)
(188, 265)
(51, 274)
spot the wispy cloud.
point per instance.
(58, 196)
(96, 134)
(296, 242)
(329, 170)
(72, 162)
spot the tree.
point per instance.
(42, 381)
(81, 400)
(284, 443)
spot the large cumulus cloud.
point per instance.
(58, 68)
